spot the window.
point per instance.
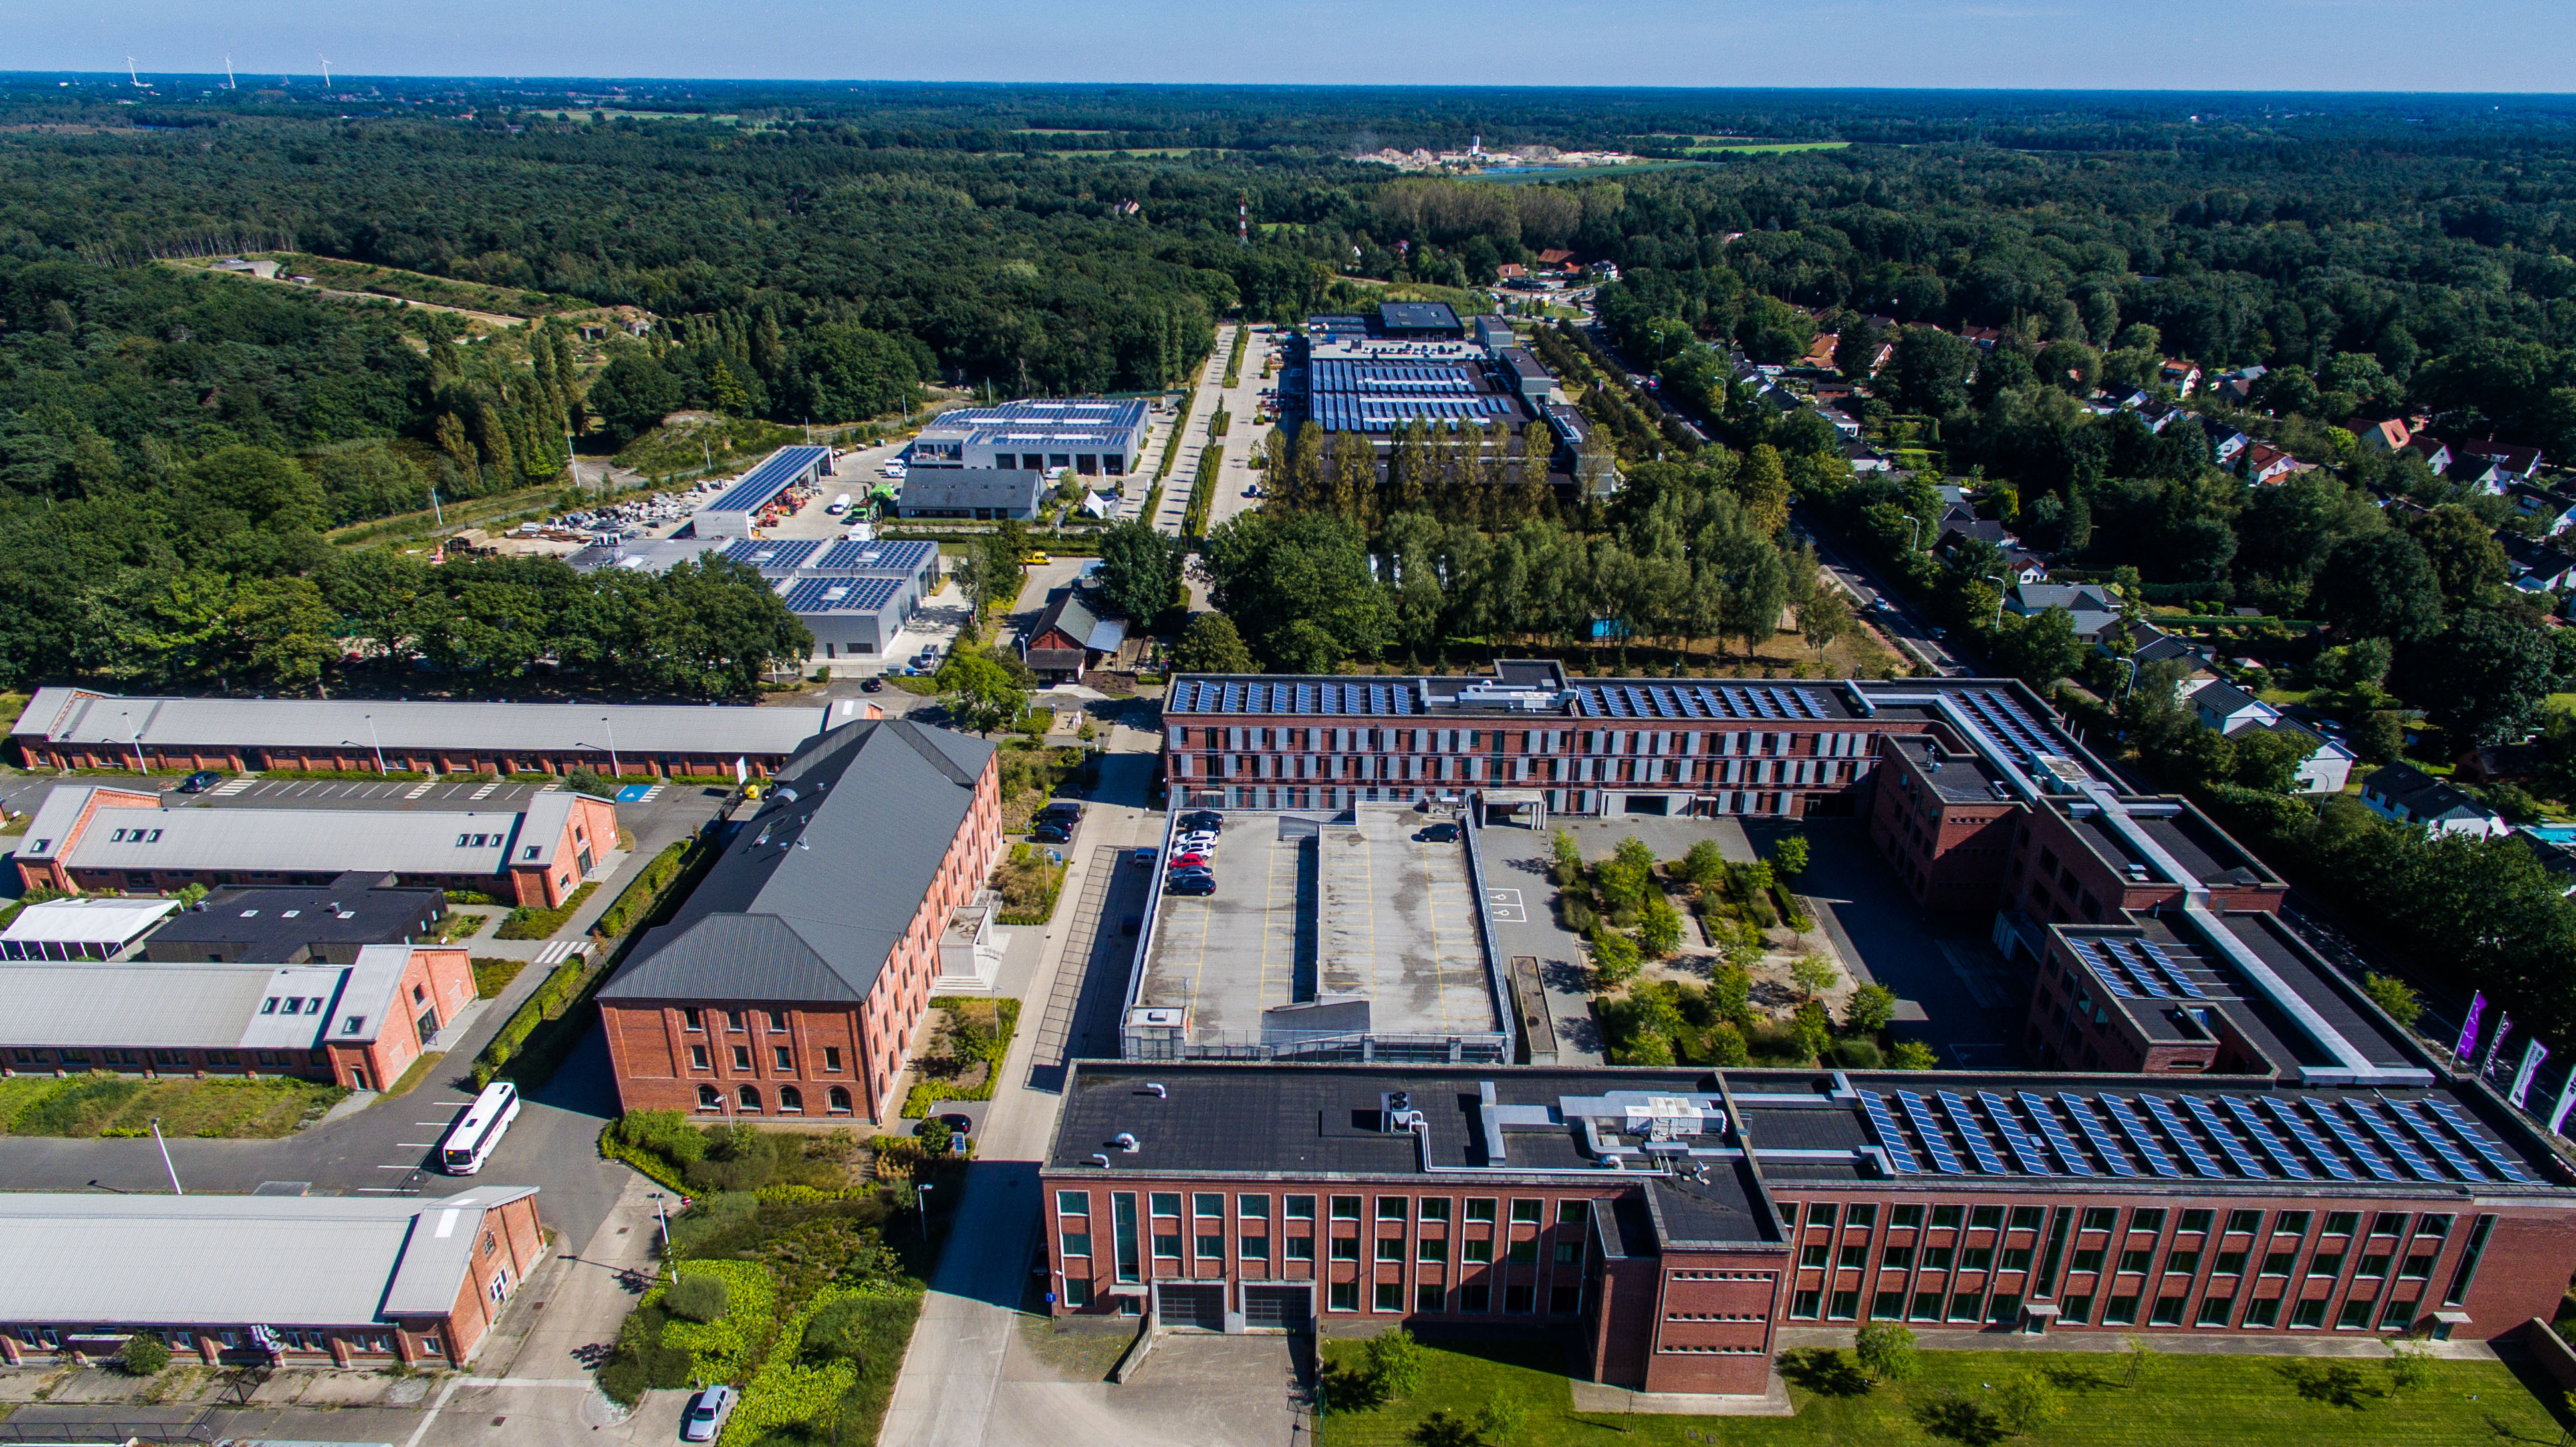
(2356, 1313)
(1936, 1258)
(1476, 1250)
(2152, 1220)
(1564, 1300)
(1431, 1248)
(782, 1059)
(2432, 1226)
(2168, 1311)
(2326, 1263)
(2016, 1258)
(1167, 1203)
(1986, 1217)
(1480, 1210)
(750, 1098)
(1905, 1216)
(1076, 1242)
(1211, 1246)
(1301, 1248)
(1475, 1298)
(1252, 1247)
(1077, 1292)
(2399, 1316)
(1390, 1248)
(733, 1021)
(1968, 1306)
(1346, 1208)
(2310, 1313)
(2182, 1263)
(1429, 1296)
(1946, 1215)
(1806, 1305)
(1521, 1299)
(742, 1057)
(698, 1057)
(1814, 1255)
(2100, 1218)
(1207, 1203)
(790, 1099)
(2231, 1263)
(1976, 1258)
(1346, 1248)
(1252, 1208)
(2246, 1222)
(1575, 1213)
(1524, 1249)
(1896, 1258)
(2342, 1223)
(2122, 1311)
(1345, 1296)
(1821, 1215)
(2388, 1223)
(2265, 1312)
(1391, 1208)
(2278, 1263)
(1167, 1243)
(2417, 1268)
(1887, 1306)
(2090, 1260)
(1527, 1211)
(778, 1020)
(2075, 1310)
(1122, 1212)
(1073, 1203)
(1298, 1208)
(2213, 1311)
(2291, 1223)
(692, 1020)
(1843, 1306)
(1861, 1217)
(2375, 1264)
(1854, 1256)
(2136, 1260)
(708, 1099)
(1568, 1252)
(1927, 1307)
(839, 1098)
(2195, 1220)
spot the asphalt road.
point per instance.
(1904, 627)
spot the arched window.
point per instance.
(791, 1101)
(708, 1099)
(751, 1099)
(840, 1100)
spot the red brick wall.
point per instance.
(513, 1240)
(445, 977)
(546, 883)
(1713, 1323)
(52, 874)
(1947, 854)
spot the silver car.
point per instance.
(707, 1413)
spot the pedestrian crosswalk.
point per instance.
(234, 786)
(558, 951)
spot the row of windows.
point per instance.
(780, 1056)
(1344, 1208)
(736, 1022)
(1862, 1215)
(82, 1059)
(1975, 1306)
(791, 1101)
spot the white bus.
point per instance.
(471, 1142)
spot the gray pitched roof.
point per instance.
(376, 841)
(73, 715)
(814, 893)
(2423, 796)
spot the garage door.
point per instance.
(1198, 1306)
(1278, 1306)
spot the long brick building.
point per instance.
(1674, 1222)
(792, 982)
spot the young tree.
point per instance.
(1869, 1010)
(1704, 865)
(1210, 645)
(1567, 859)
(1659, 928)
(1140, 570)
(1730, 993)
(1614, 958)
(1501, 1420)
(2027, 1402)
(1789, 856)
(981, 694)
(144, 1355)
(1886, 1352)
(2410, 1365)
(1813, 974)
(1824, 618)
(2394, 996)
(1914, 1055)
(1395, 1363)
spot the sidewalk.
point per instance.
(2346, 1344)
(564, 1318)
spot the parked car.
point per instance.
(962, 1124)
(1052, 832)
(707, 1414)
(872, 685)
(1061, 808)
(1194, 861)
(1184, 871)
(1145, 858)
(1192, 884)
(1438, 834)
(1190, 843)
(1202, 819)
(200, 781)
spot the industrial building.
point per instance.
(1371, 377)
(78, 728)
(853, 594)
(763, 495)
(248, 1280)
(92, 837)
(1091, 436)
(296, 924)
(1674, 1222)
(791, 983)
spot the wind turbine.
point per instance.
(326, 69)
(229, 82)
(131, 76)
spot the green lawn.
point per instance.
(2180, 1401)
(124, 1105)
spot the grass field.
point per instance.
(2178, 1401)
(96, 1105)
(1763, 148)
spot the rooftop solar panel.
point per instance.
(2412, 1112)
(778, 553)
(2025, 1149)
(2068, 1154)
(1936, 1145)
(768, 479)
(2495, 1155)
(2387, 1134)
(2340, 1128)
(2173, 970)
(2093, 959)
(2149, 983)
(2309, 1141)
(1955, 1106)
(2265, 1139)
(2112, 1156)
(844, 594)
(2194, 1154)
(1900, 1157)
(2141, 1137)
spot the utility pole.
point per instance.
(165, 1157)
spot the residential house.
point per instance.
(1557, 259)
(2144, 643)
(2408, 795)
(2224, 441)
(1821, 356)
(2435, 453)
(2159, 415)
(2556, 511)
(1072, 636)
(2388, 436)
(1984, 337)
(2554, 858)
(2536, 567)
(2092, 609)
(1865, 458)
(2510, 458)
(1510, 272)
(2265, 463)
(2180, 375)
(2475, 473)
(1841, 421)
(2498, 762)
(2021, 565)
(2237, 387)
(2234, 712)
(1604, 270)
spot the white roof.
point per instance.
(87, 921)
(72, 715)
(276, 841)
(288, 1261)
(210, 1005)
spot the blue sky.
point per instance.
(2459, 45)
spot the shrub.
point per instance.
(1659, 928)
(1726, 1045)
(638, 898)
(145, 1355)
(1576, 913)
(1869, 1009)
(1704, 865)
(724, 1349)
(1815, 1029)
(698, 1298)
(1856, 1055)
(2394, 996)
(1886, 1352)
(666, 1133)
(1789, 856)
(1614, 957)
(1395, 1363)
(1915, 1055)
(1568, 860)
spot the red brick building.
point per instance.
(790, 984)
(1674, 1221)
(306, 1280)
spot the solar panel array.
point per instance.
(1341, 412)
(1353, 377)
(2134, 968)
(846, 593)
(2187, 1134)
(1703, 701)
(1259, 696)
(876, 555)
(769, 479)
(780, 553)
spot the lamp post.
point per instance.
(921, 1203)
(613, 768)
(1998, 580)
(140, 767)
(165, 1157)
(376, 742)
(1915, 537)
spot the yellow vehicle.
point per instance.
(1034, 559)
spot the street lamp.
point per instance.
(613, 768)
(379, 743)
(921, 1203)
(1916, 536)
(1998, 580)
(165, 1157)
(139, 766)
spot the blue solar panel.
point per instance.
(2495, 1155)
(1956, 1107)
(769, 479)
(1899, 1156)
(2398, 1145)
(2193, 1153)
(2173, 970)
(2246, 1164)
(2149, 982)
(2333, 1120)
(2093, 960)
(2307, 1138)
(829, 594)
(2018, 1141)
(1944, 1159)
(2112, 1156)
(2412, 1112)
(2265, 1138)
(2054, 1131)
(780, 553)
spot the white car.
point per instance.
(707, 1413)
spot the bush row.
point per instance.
(637, 901)
(1203, 491)
(549, 1002)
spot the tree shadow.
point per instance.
(2336, 1384)
(1442, 1430)
(1961, 1420)
(1825, 1371)
(2076, 1377)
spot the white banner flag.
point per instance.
(2532, 1055)
(2566, 1098)
(742, 771)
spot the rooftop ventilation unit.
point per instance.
(1124, 1142)
(1664, 1117)
(1396, 1113)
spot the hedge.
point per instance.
(550, 1001)
(1203, 491)
(1006, 1023)
(528, 922)
(646, 1164)
(638, 899)
(786, 1390)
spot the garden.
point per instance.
(971, 1038)
(106, 1104)
(795, 1274)
(1888, 1394)
(1703, 960)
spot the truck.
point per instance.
(839, 505)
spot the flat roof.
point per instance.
(1417, 315)
(838, 592)
(773, 475)
(1325, 929)
(377, 841)
(1077, 421)
(206, 1006)
(145, 1260)
(275, 923)
(81, 716)
(86, 921)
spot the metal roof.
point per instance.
(772, 552)
(1417, 316)
(280, 840)
(1341, 412)
(271, 1260)
(774, 474)
(139, 1004)
(1393, 378)
(86, 921)
(79, 716)
(813, 893)
(877, 556)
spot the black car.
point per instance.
(1065, 809)
(1202, 819)
(1191, 884)
(1052, 832)
(200, 781)
(872, 684)
(1438, 834)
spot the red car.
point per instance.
(1188, 861)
